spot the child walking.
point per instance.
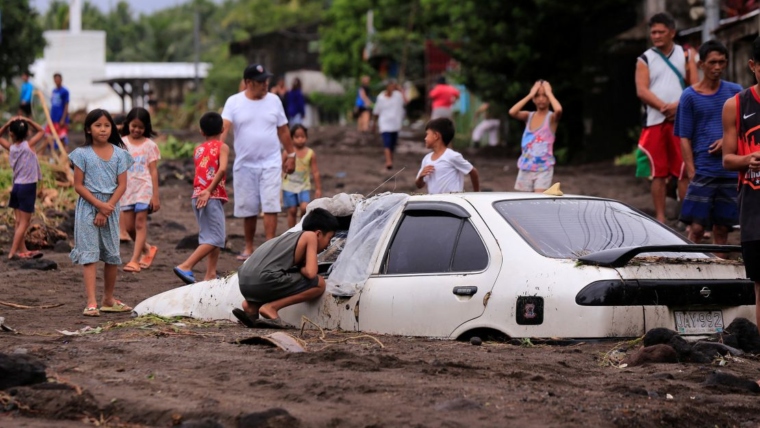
(208, 197)
(26, 174)
(141, 196)
(118, 119)
(537, 161)
(296, 187)
(100, 179)
(443, 170)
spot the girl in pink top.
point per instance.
(141, 196)
(26, 174)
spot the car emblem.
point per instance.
(705, 292)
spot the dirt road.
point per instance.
(154, 373)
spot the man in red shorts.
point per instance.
(662, 73)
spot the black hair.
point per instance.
(756, 49)
(296, 84)
(296, 127)
(712, 46)
(320, 219)
(19, 130)
(143, 116)
(119, 118)
(443, 126)
(93, 117)
(57, 75)
(441, 80)
(211, 124)
(664, 19)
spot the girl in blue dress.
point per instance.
(100, 179)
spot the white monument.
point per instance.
(80, 57)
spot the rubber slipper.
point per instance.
(244, 318)
(132, 267)
(91, 311)
(276, 323)
(186, 276)
(118, 306)
(147, 260)
(34, 254)
(242, 257)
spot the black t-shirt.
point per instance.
(748, 133)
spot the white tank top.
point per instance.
(663, 81)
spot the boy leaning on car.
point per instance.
(741, 152)
(283, 271)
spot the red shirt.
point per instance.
(206, 166)
(443, 96)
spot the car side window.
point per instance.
(471, 254)
(435, 243)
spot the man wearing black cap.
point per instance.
(259, 125)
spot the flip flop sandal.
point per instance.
(244, 318)
(132, 267)
(91, 311)
(276, 323)
(186, 276)
(242, 257)
(34, 254)
(118, 306)
(147, 260)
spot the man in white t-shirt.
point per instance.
(443, 170)
(389, 109)
(258, 121)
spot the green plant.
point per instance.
(173, 148)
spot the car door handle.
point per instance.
(465, 291)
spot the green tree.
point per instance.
(21, 36)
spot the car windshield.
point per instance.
(571, 228)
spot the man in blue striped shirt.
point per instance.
(711, 199)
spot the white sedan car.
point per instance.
(507, 264)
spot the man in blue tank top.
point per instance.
(711, 196)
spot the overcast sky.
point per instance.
(139, 6)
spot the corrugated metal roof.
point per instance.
(154, 70)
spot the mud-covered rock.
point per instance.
(189, 242)
(39, 264)
(730, 381)
(62, 247)
(43, 236)
(657, 336)
(201, 423)
(271, 418)
(659, 353)
(20, 370)
(747, 336)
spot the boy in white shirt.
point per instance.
(443, 170)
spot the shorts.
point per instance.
(291, 199)
(663, 149)
(358, 111)
(751, 257)
(389, 140)
(529, 181)
(26, 108)
(137, 208)
(23, 197)
(264, 294)
(442, 112)
(256, 190)
(211, 223)
(711, 201)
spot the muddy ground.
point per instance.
(159, 374)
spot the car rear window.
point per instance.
(570, 228)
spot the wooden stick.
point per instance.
(17, 306)
(60, 155)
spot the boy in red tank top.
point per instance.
(208, 197)
(741, 152)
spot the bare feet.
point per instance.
(268, 312)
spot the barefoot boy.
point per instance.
(208, 197)
(443, 170)
(283, 271)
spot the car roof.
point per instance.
(490, 197)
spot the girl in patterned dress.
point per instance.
(26, 174)
(141, 196)
(100, 179)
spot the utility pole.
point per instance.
(197, 44)
(712, 19)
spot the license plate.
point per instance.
(699, 322)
